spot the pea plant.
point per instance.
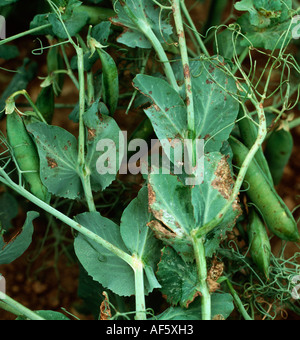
(220, 98)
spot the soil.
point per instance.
(46, 278)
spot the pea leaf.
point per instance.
(178, 278)
(139, 238)
(211, 196)
(215, 107)
(8, 52)
(180, 208)
(101, 127)
(73, 25)
(7, 2)
(168, 114)
(133, 237)
(58, 159)
(222, 307)
(102, 265)
(48, 315)
(8, 210)
(145, 15)
(273, 37)
(9, 252)
(266, 23)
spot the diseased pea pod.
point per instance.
(110, 81)
(26, 156)
(278, 152)
(275, 213)
(46, 103)
(260, 247)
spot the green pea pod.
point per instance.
(54, 63)
(46, 103)
(26, 156)
(248, 136)
(260, 247)
(275, 213)
(278, 152)
(110, 81)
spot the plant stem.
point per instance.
(191, 23)
(65, 219)
(16, 308)
(185, 64)
(23, 34)
(146, 29)
(85, 173)
(140, 302)
(26, 95)
(238, 302)
(262, 132)
(81, 137)
(199, 250)
(86, 183)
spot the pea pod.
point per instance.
(275, 213)
(54, 63)
(26, 155)
(278, 152)
(260, 247)
(46, 103)
(110, 81)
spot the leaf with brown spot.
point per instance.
(58, 156)
(105, 311)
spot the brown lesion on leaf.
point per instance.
(51, 163)
(160, 231)
(214, 274)
(91, 134)
(193, 298)
(224, 182)
(105, 311)
(151, 195)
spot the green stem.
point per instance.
(85, 173)
(199, 250)
(194, 29)
(238, 302)
(185, 64)
(81, 137)
(262, 133)
(140, 302)
(23, 34)
(86, 183)
(65, 219)
(146, 29)
(26, 95)
(162, 56)
(294, 123)
(69, 69)
(16, 308)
